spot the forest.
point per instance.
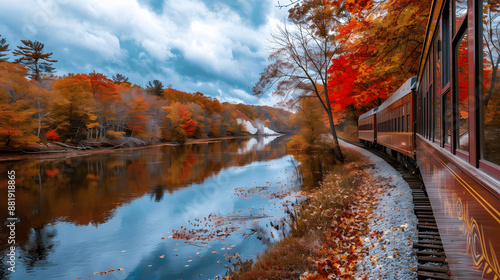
(84, 110)
(371, 48)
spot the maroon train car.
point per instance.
(450, 123)
(367, 123)
(458, 132)
(394, 122)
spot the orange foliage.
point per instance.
(103, 88)
(138, 115)
(17, 95)
(381, 49)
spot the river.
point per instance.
(162, 212)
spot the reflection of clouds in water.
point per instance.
(131, 234)
(256, 144)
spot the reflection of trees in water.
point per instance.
(86, 190)
(38, 247)
(314, 166)
(157, 193)
(32, 252)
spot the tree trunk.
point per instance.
(39, 119)
(338, 152)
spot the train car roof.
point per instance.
(403, 90)
(369, 113)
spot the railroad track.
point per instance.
(431, 256)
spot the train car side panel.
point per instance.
(395, 130)
(467, 212)
(366, 127)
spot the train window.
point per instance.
(408, 117)
(383, 123)
(428, 117)
(436, 126)
(425, 117)
(445, 57)
(393, 121)
(491, 92)
(447, 117)
(403, 119)
(460, 13)
(437, 111)
(463, 93)
(398, 119)
(431, 63)
(432, 121)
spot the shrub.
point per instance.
(52, 135)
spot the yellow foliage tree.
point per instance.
(17, 122)
(74, 106)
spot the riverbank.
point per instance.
(358, 225)
(53, 151)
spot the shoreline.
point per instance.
(62, 152)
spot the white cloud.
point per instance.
(222, 97)
(243, 94)
(111, 34)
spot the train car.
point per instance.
(366, 128)
(458, 132)
(394, 119)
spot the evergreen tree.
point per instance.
(4, 47)
(119, 78)
(155, 88)
(32, 56)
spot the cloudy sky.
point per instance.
(217, 47)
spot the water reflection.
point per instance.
(314, 166)
(92, 214)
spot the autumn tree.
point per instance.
(74, 106)
(32, 56)
(381, 43)
(4, 47)
(187, 123)
(17, 124)
(155, 88)
(308, 120)
(302, 54)
(107, 96)
(138, 116)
